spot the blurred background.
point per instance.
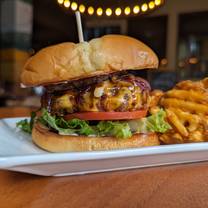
(177, 30)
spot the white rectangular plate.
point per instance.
(18, 153)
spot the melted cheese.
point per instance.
(65, 102)
(110, 95)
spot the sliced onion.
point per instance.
(98, 92)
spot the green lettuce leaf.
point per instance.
(116, 129)
(24, 125)
(81, 127)
(157, 123)
(74, 126)
(153, 123)
(27, 125)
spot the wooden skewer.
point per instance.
(79, 26)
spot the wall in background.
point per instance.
(173, 8)
(16, 32)
(52, 24)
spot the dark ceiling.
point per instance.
(55, 24)
(52, 24)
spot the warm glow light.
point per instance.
(136, 9)
(157, 2)
(82, 8)
(151, 5)
(66, 3)
(60, 1)
(74, 6)
(164, 62)
(127, 10)
(90, 10)
(193, 60)
(181, 64)
(99, 11)
(108, 11)
(144, 7)
(118, 11)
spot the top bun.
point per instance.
(70, 61)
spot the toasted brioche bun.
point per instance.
(53, 142)
(70, 61)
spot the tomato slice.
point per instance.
(93, 116)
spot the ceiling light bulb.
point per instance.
(144, 7)
(136, 9)
(67, 3)
(151, 4)
(99, 11)
(127, 10)
(90, 10)
(118, 11)
(60, 1)
(82, 8)
(158, 2)
(74, 6)
(164, 62)
(108, 11)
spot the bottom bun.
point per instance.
(53, 142)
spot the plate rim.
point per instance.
(10, 161)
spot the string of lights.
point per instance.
(101, 11)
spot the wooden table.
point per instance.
(170, 186)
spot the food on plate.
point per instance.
(93, 100)
(186, 108)
(155, 97)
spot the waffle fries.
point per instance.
(187, 111)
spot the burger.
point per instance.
(92, 98)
